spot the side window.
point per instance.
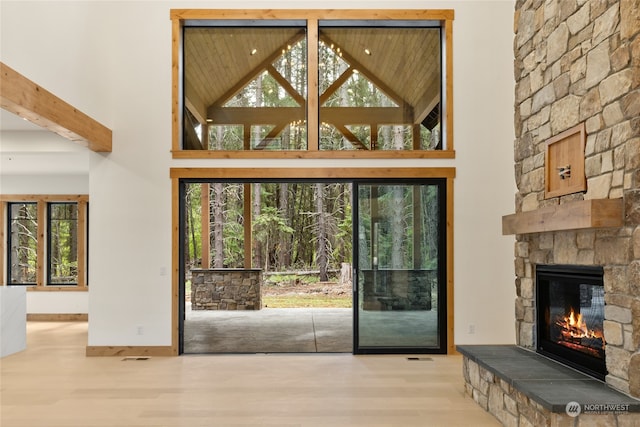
(44, 240)
(380, 85)
(245, 87)
(23, 243)
(62, 239)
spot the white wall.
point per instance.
(41, 162)
(112, 60)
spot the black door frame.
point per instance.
(442, 250)
(441, 184)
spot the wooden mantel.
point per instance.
(597, 213)
(23, 97)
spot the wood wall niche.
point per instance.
(564, 163)
(565, 174)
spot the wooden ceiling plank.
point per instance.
(23, 97)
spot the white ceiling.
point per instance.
(28, 149)
(11, 122)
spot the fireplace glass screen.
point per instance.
(570, 303)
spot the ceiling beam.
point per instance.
(257, 70)
(23, 97)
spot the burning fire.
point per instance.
(574, 327)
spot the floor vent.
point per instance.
(130, 358)
(420, 359)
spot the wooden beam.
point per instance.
(194, 103)
(334, 115)
(257, 70)
(286, 85)
(383, 14)
(427, 104)
(365, 115)
(355, 64)
(313, 85)
(597, 213)
(311, 173)
(251, 115)
(270, 136)
(23, 97)
(336, 85)
(351, 137)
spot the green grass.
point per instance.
(306, 301)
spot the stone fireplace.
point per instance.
(578, 62)
(576, 66)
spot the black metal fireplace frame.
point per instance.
(571, 275)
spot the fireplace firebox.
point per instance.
(570, 316)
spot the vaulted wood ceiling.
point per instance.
(404, 63)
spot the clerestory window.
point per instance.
(325, 85)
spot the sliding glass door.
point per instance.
(399, 266)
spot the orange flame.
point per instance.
(575, 327)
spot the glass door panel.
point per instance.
(399, 298)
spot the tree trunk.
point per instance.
(397, 206)
(217, 209)
(284, 245)
(256, 202)
(322, 257)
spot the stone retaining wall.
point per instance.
(226, 289)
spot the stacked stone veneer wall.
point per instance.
(579, 61)
(513, 408)
(226, 289)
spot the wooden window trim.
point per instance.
(304, 173)
(41, 264)
(180, 16)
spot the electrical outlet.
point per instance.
(140, 330)
(472, 328)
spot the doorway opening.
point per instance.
(266, 266)
(313, 266)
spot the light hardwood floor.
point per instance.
(53, 384)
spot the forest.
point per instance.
(60, 226)
(309, 226)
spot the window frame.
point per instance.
(186, 17)
(43, 220)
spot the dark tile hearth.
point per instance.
(549, 383)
